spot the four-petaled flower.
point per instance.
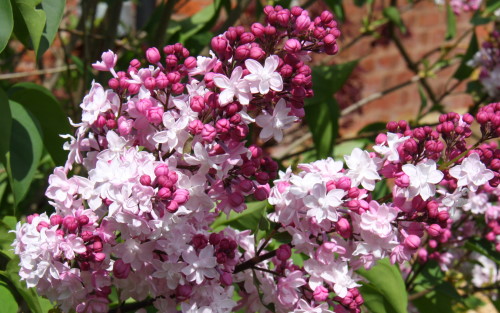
(423, 179)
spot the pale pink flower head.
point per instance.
(471, 173)
(362, 169)
(107, 63)
(423, 179)
(378, 218)
(273, 125)
(263, 78)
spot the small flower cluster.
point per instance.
(330, 212)
(460, 6)
(488, 60)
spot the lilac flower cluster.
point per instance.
(488, 60)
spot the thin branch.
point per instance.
(419, 294)
(37, 72)
(253, 261)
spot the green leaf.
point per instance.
(451, 23)
(387, 280)
(392, 14)
(464, 71)
(5, 126)
(7, 299)
(248, 219)
(25, 150)
(327, 80)
(322, 119)
(375, 300)
(491, 6)
(54, 10)
(484, 247)
(6, 23)
(45, 107)
(29, 22)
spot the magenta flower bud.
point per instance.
(172, 207)
(190, 62)
(270, 30)
(183, 292)
(248, 169)
(242, 52)
(113, 83)
(490, 236)
(197, 104)
(231, 34)
(219, 44)
(247, 38)
(100, 122)
(284, 252)
(173, 177)
(97, 246)
(262, 177)
(161, 170)
(262, 192)
(292, 45)
(343, 227)
(215, 238)
(83, 220)
(171, 61)
(164, 181)
(236, 199)
(434, 230)
(87, 235)
(133, 88)
(181, 196)
(208, 133)
(56, 220)
(42, 225)
(177, 88)
(161, 81)
(402, 181)
(286, 70)
(320, 294)
(326, 17)
(124, 126)
(302, 23)
(329, 39)
(296, 11)
(108, 62)
(256, 53)
(155, 115)
(443, 216)
(283, 17)
(153, 55)
(164, 193)
(70, 223)
(412, 242)
(199, 241)
(392, 126)
(226, 279)
(257, 29)
(381, 138)
(111, 124)
(121, 269)
(422, 255)
(174, 77)
(344, 183)
(143, 105)
(222, 125)
(145, 180)
(195, 127)
(353, 192)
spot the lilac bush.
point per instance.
(166, 150)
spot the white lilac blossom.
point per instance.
(263, 78)
(471, 173)
(423, 179)
(274, 124)
(362, 168)
(322, 204)
(233, 87)
(390, 149)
